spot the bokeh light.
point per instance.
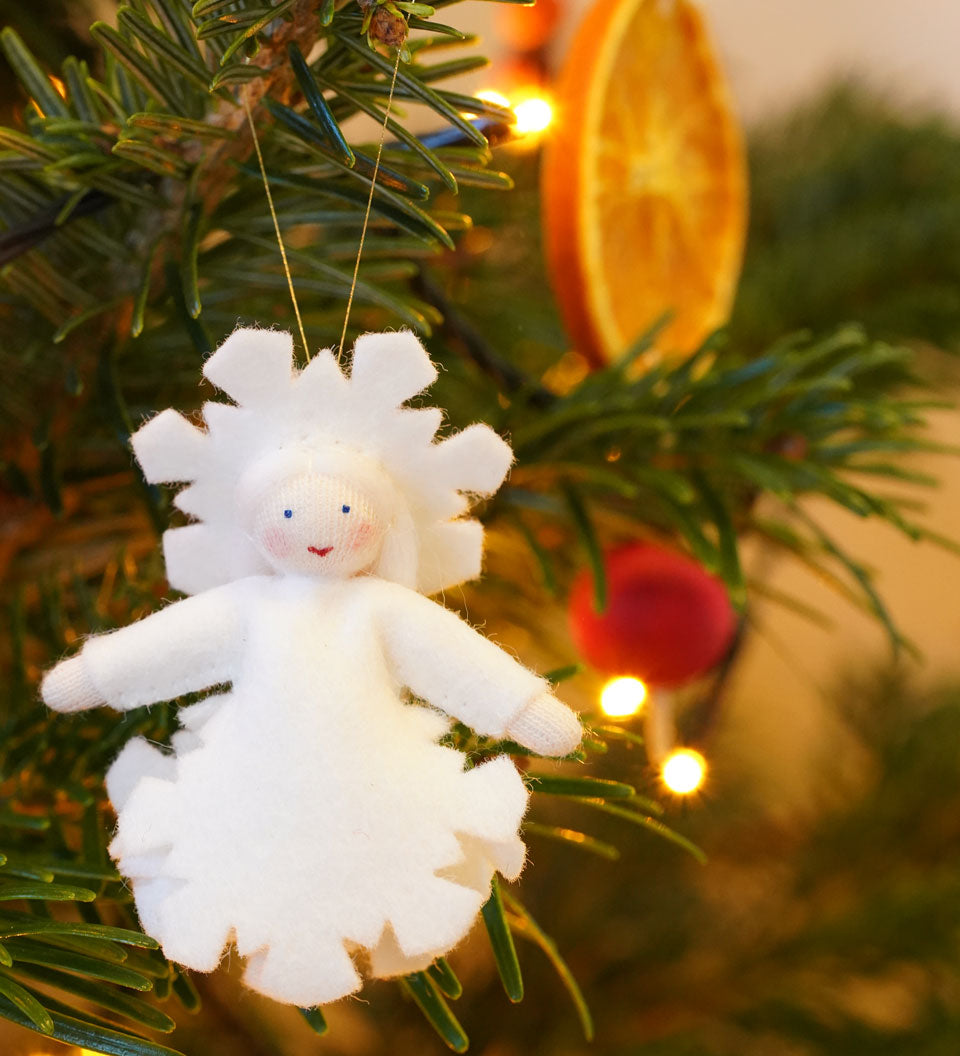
(491, 95)
(533, 115)
(683, 771)
(622, 697)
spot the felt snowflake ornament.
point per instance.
(307, 813)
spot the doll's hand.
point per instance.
(546, 726)
(68, 687)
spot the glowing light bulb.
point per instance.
(683, 771)
(491, 95)
(622, 697)
(533, 115)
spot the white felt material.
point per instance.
(168, 448)
(449, 554)
(308, 814)
(192, 645)
(312, 783)
(388, 960)
(199, 557)
(252, 365)
(226, 424)
(390, 368)
(476, 460)
(202, 501)
(138, 759)
(321, 385)
(419, 424)
(474, 680)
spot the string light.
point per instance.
(683, 771)
(76, 1052)
(622, 697)
(533, 115)
(491, 95)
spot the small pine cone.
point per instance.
(388, 28)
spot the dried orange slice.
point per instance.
(644, 180)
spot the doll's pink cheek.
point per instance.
(275, 542)
(361, 535)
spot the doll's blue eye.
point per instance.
(346, 509)
(288, 514)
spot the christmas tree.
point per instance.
(149, 163)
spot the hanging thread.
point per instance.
(276, 224)
(366, 217)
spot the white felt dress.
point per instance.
(308, 811)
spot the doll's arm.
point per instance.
(190, 645)
(443, 659)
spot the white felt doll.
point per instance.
(307, 812)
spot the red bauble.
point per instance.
(667, 619)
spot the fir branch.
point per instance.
(697, 449)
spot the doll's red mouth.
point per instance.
(320, 551)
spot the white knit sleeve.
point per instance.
(190, 645)
(442, 659)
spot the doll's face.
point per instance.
(317, 526)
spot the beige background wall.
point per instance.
(777, 51)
